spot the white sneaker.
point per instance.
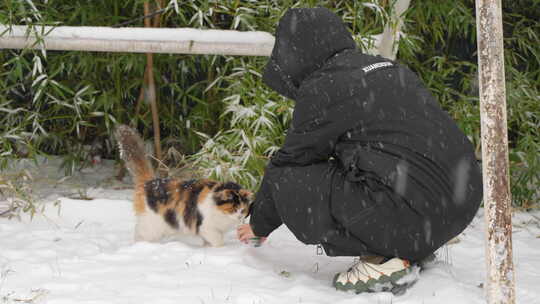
(395, 275)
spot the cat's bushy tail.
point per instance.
(133, 153)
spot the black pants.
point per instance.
(411, 225)
(354, 214)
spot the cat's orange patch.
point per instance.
(204, 193)
(181, 196)
(173, 195)
(227, 208)
(139, 201)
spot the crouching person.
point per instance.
(371, 165)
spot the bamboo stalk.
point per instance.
(157, 18)
(140, 100)
(387, 46)
(150, 89)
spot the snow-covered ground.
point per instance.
(84, 253)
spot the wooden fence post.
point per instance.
(499, 285)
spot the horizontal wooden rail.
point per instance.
(137, 40)
(171, 40)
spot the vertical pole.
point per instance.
(497, 199)
(151, 90)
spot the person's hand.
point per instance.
(245, 233)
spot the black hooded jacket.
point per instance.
(370, 163)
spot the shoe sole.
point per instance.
(383, 284)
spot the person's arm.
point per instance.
(264, 216)
(305, 147)
(314, 140)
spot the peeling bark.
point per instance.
(500, 286)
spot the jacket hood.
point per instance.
(305, 39)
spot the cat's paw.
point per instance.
(212, 237)
(215, 244)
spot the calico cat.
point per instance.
(166, 206)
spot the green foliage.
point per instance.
(215, 109)
(16, 190)
(256, 122)
(441, 48)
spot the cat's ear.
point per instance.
(246, 195)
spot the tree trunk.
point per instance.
(497, 199)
